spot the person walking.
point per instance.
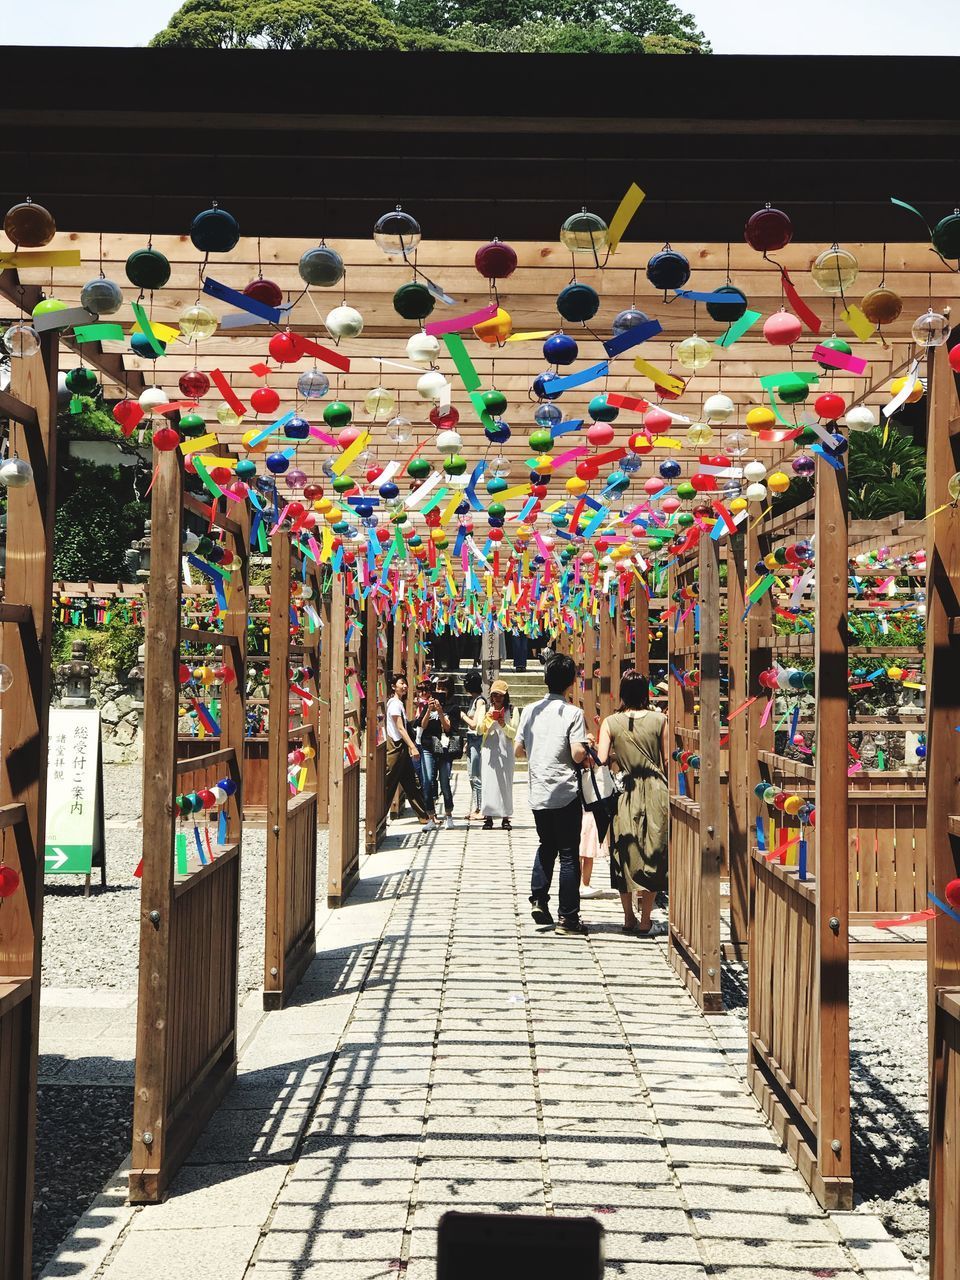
(440, 741)
(553, 736)
(520, 650)
(497, 759)
(402, 751)
(635, 739)
(473, 718)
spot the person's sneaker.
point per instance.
(573, 926)
(541, 913)
(448, 822)
(590, 891)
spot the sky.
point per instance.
(733, 26)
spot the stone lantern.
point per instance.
(137, 557)
(135, 678)
(77, 675)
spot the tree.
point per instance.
(567, 26)
(506, 26)
(289, 24)
(551, 36)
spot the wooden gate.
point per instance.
(696, 826)
(294, 725)
(25, 615)
(189, 913)
(798, 1017)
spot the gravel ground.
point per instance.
(92, 1123)
(888, 1075)
(93, 942)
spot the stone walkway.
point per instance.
(446, 1052)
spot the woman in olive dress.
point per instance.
(634, 740)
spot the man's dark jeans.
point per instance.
(559, 832)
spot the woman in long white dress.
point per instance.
(497, 758)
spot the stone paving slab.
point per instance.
(445, 1052)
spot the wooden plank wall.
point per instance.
(943, 812)
(25, 615)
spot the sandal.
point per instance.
(488, 824)
(656, 930)
(505, 825)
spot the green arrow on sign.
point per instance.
(68, 859)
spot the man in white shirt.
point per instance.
(553, 736)
(401, 753)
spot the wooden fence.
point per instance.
(25, 615)
(697, 815)
(297, 721)
(798, 1017)
(187, 1007)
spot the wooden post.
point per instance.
(291, 879)
(26, 616)
(738, 768)
(233, 694)
(161, 695)
(760, 736)
(590, 682)
(344, 827)
(609, 675)
(324, 716)
(641, 627)
(336, 631)
(411, 667)
(278, 738)
(375, 817)
(943, 807)
(833, 877)
(712, 820)
(942, 670)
